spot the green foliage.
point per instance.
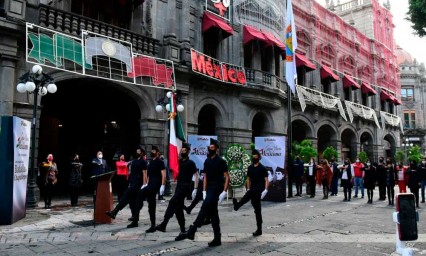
(417, 15)
(415, 154)
(399, 156)
(329, 153)
(363, 156)
(304, 149)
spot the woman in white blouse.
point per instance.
(346, 179)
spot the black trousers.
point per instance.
(148, 193)
(325, 188)
(415, 191)
(370, 194)
(254, 196)
(48, 193)
(74, 192)
(391, 193)
(382, 190)
(298, 181)
(176, 204)
(198, 196)
(312, 185)
(129, 197)
(209, 208)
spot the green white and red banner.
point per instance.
(177, 136)
(97, 56)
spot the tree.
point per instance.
(400, 156)
(304, 150)
(329, 153)
(415, 154)
(417, 15)
(362, 156)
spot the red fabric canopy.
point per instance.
(397, 101)
(384, 95)
(274, 41)
(349, 82)
(326, 72)
(250, 34)
(301, 60)
(366, 89)
(211, 20)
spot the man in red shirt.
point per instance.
(359, 175)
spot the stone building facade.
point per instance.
(336, 63)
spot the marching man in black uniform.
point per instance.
(215, 191)
(257, 188)
(155, 178)
(187, 169)
(138, 168)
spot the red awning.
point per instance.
(349, 82)
(274, 41)
(366, 89)
(211, 20)
(250, 33)
(326, 72)
(301, 60)
(384, 95)
(397, 101)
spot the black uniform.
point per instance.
(148, 193)
(381, 180)
(298, 172)
(369, 181)
(135, 182)
(187, 169)
(413, 182)
(391, 177)
(257, 175)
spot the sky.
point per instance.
(403, 34)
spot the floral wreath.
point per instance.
(238, 161)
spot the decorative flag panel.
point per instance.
(97, 56)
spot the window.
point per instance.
(409, 119)
(348, 93)
(266, 56)
(407, 94)
(211, 42)
(248, 53)
(364, 99)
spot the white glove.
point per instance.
(162, 190)
(263, 194)
(204, 195)
(201, 177)
(222, 196)
(143, 186)
(194, 193)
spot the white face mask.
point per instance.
(423, 162)
(100, 156)
(368, 164)
(357, 161)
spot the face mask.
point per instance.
(212, 152)
(423, 162)
(255, 160)
(184, 155)
(297, 158)
(357, 161)
(368, 164)
(381, 160)
(153, 155)
(346, 162)
(100, 156)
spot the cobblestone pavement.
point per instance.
(300, 226)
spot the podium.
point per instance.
(103, 199)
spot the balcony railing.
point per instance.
(264, 79)
(71, 23)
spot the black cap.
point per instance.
(214, 142)
(153, 147)
(186, 145)
(255, 152)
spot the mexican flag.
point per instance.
(177, 136)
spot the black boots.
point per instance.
(187, 209)
(258, 232)
(152, 229)
(112, 214)
(133, 224)
(216, 240)
(235, 203)
(162, 226)
(190, 234)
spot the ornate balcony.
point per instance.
(260, 78)
(70, 23)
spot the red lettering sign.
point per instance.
(215, 69)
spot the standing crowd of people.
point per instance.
(359, 176)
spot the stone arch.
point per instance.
(327, 136)
(389, 145)
(301, 121)
(221, 114)
(350, 140)
(261, 123)
(366, 140)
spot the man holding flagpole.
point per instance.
(291, 77)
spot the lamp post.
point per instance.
(38, 83)
(406, 145)
(163, 105)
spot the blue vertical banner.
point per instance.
(14, 159)
(290, 48)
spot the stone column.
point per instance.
(7, 86)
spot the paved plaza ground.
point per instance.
(300, 226)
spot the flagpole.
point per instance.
(289, 142)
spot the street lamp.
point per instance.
(163, 105)
(37, 83)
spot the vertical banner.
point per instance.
(21, 156)
(272, 150)
(199, 149)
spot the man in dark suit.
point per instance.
(299, 171)
(99, 166)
